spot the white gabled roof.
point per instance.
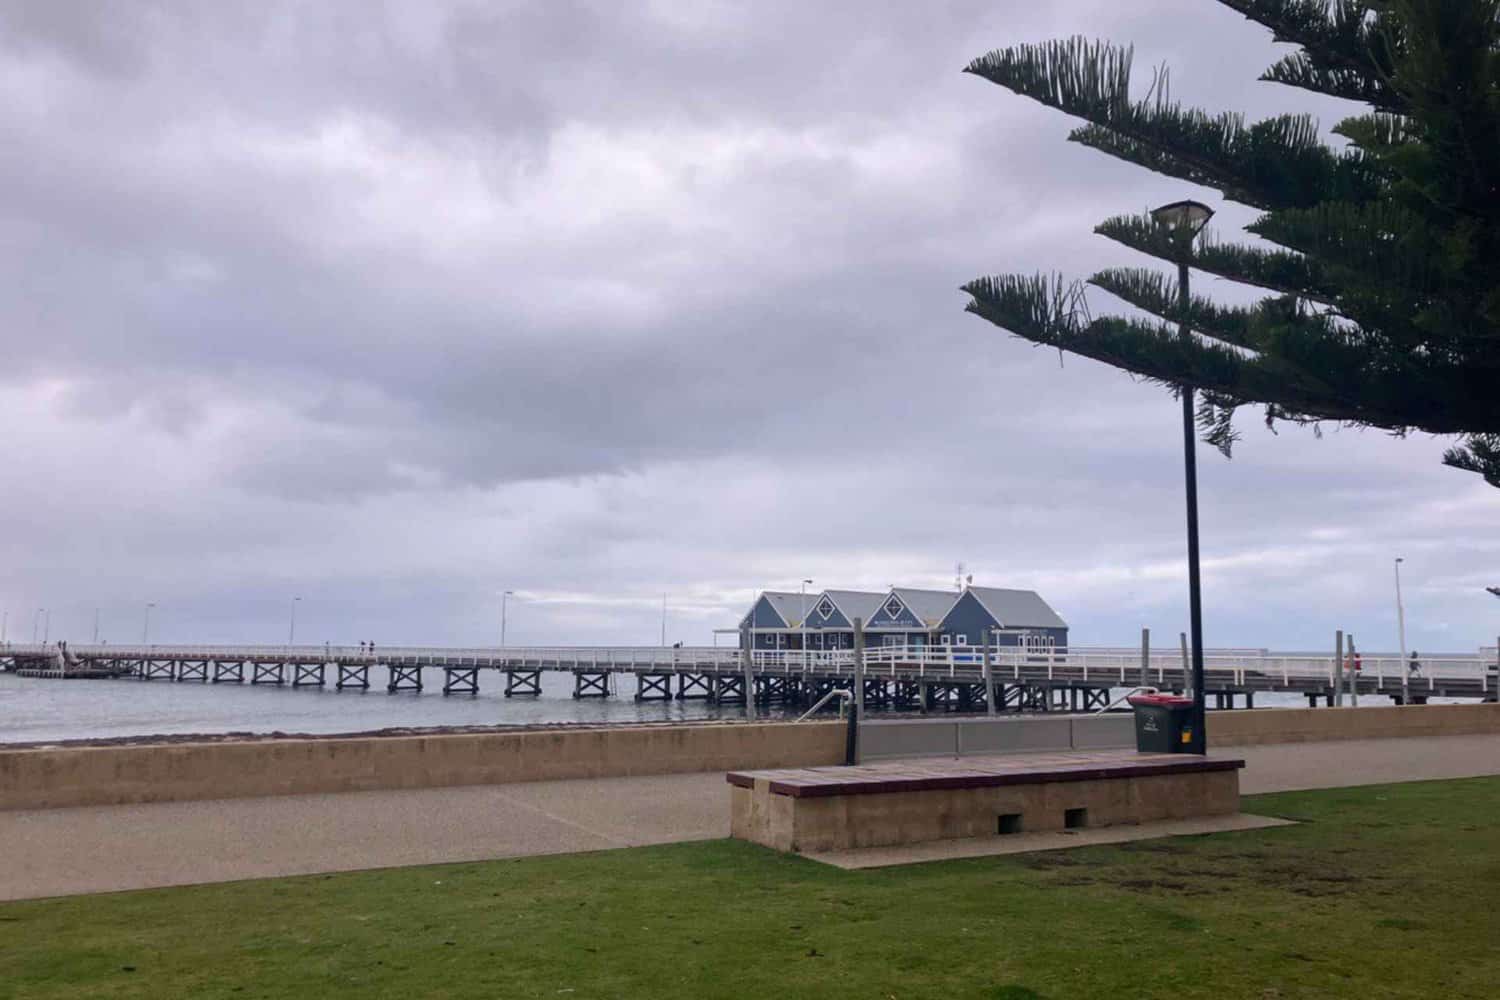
(1018, 608)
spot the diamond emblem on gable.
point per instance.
(825, 608)
(893, 607)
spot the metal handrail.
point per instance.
(840, 693)
(1126, 697)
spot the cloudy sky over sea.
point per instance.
(394, 306)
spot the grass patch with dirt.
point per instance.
(1382, 891)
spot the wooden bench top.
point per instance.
(977, 772)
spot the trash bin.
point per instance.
(1163, 723)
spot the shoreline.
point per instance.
(387, 732)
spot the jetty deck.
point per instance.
(964, 678)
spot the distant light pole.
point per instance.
(36, 624)
(146, 627)
(96, 626)
(1401, 635)
(291, 629)
(4, 625)
(802, 625)
(663, 621)
(46, 626)
(504, 596)
(1186, 219)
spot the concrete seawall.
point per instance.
(1310, 725)
(33, 778)
(110, 775)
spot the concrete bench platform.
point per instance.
(909, 802)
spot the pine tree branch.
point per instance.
(1307, 379)
(1346, 46)
(1287, 273)
(1157, 293)
(1299, 69)
(1381, 245)
(1479, 453)
(1153, 158)
(1279, 162)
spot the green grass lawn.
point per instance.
(1380, 892)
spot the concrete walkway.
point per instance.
(51, 852)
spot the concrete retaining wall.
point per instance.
(1304, 725)
(885, 739)
(74, 776)
(108, 775)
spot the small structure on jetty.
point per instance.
(903, 616)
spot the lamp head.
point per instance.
(1188, 216)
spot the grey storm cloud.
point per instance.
(398, 305)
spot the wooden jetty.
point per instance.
(1000, 678)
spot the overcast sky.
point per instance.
(394, 306)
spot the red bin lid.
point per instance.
(1169, 700)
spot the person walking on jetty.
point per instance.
(1414, 665)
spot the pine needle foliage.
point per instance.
(1384, 272)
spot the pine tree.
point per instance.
(1382, 254)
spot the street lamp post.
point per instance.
(802, 623)
(663, 621)
(291, 629)
(4, 625)
(36, 624)
(1401, 635)
(146, 625)
(46, 626)
(1186, 219)
(504, 597)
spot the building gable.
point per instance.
(893, 613)
(825, 613)
(968, 618)
(763, 614)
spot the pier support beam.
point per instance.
(232, 672)
(353, 675)
(404, 679)
(695, 687)
(1094, 699)
(307, 675)
(731, 690)
(268, 673)
(461, 680)
(157, 669)
(526, 683)
(196, 670)
(590, 684)
(653, 686)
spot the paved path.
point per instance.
(49, 852)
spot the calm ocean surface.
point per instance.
(37, 709)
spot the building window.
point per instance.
(961, 640)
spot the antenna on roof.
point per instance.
(958, 577)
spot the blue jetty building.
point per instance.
(902, 616)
